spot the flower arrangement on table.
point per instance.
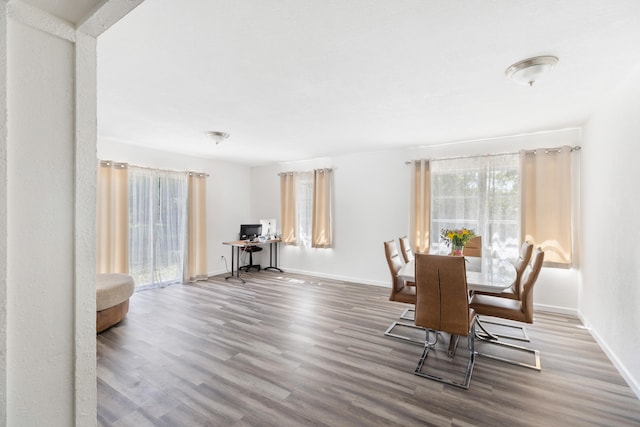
(457, 239)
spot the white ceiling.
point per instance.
(300, 79)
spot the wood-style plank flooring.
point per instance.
(291, 350)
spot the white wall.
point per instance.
(40, 219)
(47, 212)
(228, 192)
(610, 297)
(371, 205)
(365, 211)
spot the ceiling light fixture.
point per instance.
(528, 71)
(218, 137)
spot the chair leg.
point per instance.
(523, 337)
(405, 315)
(536, 353)
(467, 377)
(250, 265)
(403, 337)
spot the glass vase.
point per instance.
(456, 250)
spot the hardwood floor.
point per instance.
(291, 350)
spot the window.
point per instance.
(306, 208)
(480, 193)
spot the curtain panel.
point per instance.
(196, 262)
(112, 218)
(420, 205)
(547, 200)
(321, 229)
(288, 207)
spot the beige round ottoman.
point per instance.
(112, 299)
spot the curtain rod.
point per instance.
(546, 150)
(314, 170)
(124, 165)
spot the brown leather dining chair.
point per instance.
(405, 249)
(400, 292)
(520, 310)
(474, 247)
(513, 292)
(442, 304)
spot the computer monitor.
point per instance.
(250, 231)
(268, 228)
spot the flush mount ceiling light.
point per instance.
(528, 71)
(218, 137)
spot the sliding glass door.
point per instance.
(157, 226)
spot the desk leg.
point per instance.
(273, 258)
(235, 264)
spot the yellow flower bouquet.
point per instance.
(457, 239)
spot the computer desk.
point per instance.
(236, 245)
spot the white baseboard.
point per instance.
(218, 272)
(323, 275)
(339, 277)
(556, 309)
(633, 383)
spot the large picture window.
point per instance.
(480, 193)
(506, 199)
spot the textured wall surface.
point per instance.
(610, 294)
(40, 341)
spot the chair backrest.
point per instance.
(405, 249)
(474, 247)
(529, 278)
(442, 296)
(393, 260)
(521, 264)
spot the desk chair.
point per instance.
(250, 250)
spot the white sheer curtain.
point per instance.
(480, 193)
(304, 208)
(157, 225)
(141, 202)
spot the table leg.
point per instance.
(273, 257)
(235, 264)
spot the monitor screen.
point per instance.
(250, 231)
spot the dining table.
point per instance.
(484, 274)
